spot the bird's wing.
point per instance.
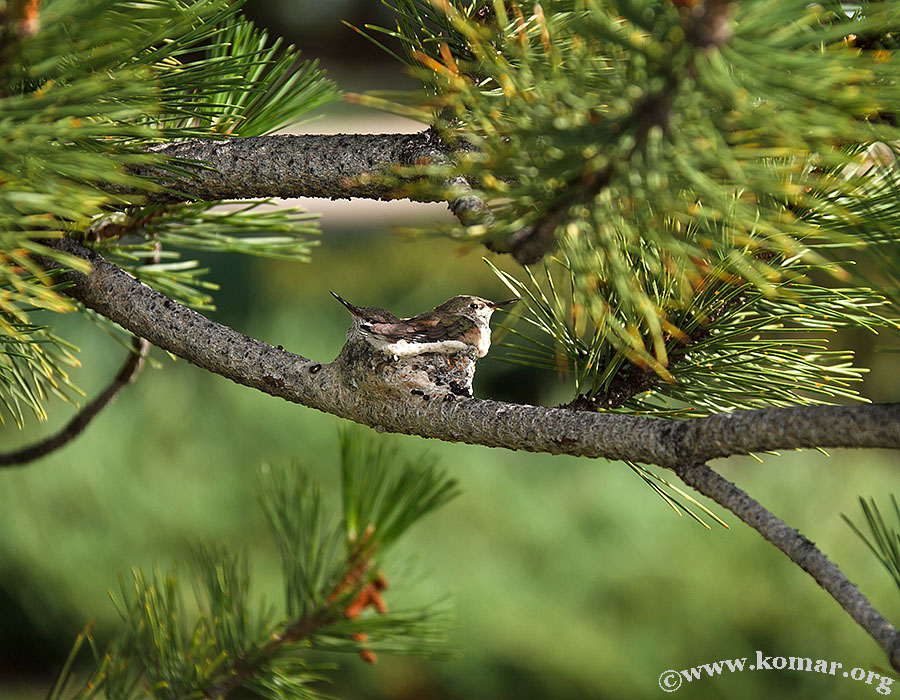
(423, 329)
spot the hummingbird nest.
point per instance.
(429, 376)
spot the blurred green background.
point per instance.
(570, 578)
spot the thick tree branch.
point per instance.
(339, 166)
(333, 166)
(799, 550)
(334, 388)
(129, 370)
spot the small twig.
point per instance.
(130, 369)
(799, 550)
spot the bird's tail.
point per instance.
(355, 310)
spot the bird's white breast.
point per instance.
(403, 348)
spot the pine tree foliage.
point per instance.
(874, 221)
(219, 635)
(675, 497)
(698, 179)
(34, 364)
(706, 172)
(720, 345)
(87, 86)
(883, 539)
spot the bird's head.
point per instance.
(474, 307)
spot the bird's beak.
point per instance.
(355, 310)
(497, 304)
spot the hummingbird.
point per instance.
(459, 325)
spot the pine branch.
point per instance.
(799, 550)
(335, 166)
(147, 241)
(239, 670)
(229, 638)
(339, 166)
(335, 388)
(127, 374)
(33, 366)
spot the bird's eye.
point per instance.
(474, 305)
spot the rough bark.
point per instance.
(329, 166)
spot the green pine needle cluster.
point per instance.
(421, 28)
(871, 223)
(654, 143)
(87, 85)
(250, 228)
(34, 364)
(675, 497)
(730, 346)
(273, 86)
(218, 635)
(883, 539)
